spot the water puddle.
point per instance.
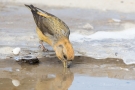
(85, 74)
(101, 83)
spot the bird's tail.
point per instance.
(32, 8)
(34, 11)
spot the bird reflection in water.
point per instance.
(55, 81)
(60, 81)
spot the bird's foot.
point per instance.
(43, 48)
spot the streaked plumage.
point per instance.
(55, 32)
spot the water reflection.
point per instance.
(60, 81)
(31, 80)
(50, 75)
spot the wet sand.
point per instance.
(85, 73)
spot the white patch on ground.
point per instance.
(100, 45)
(125, 34)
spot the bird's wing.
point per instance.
(51, 24)
(48, 23)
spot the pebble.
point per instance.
(16, 50)
(15, 82)
(88, 26)
(116, 20)
(18, 70)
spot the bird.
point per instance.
(55, 32)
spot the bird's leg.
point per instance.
(42, 46)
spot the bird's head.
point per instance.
(64, 51)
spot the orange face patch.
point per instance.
(67, 48)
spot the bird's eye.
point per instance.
(65, 56)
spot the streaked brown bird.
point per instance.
(55, 32)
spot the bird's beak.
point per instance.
(67, 64)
